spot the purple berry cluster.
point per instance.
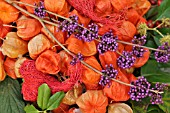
(76, 59)
(126, 60)
(108, 74)
(164, 55)
(108, 43)
(39, 11)
(140, 89)
(69, 26)
(138, 51)
(156, 98)
(87, 35)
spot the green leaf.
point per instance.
(156, 72)
(10, 97)
(164, 10)
(166, 99)
(55, 100)
(30, 109)
(154, 109)
(44, 94)
(152, 13)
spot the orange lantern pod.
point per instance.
(132, 16)
(4, 30)
(117, 91)
(65, 61)
(127, 31)
(89, 77)
(141, 6)
(37, 45)
(2, 71)
(48, 62)
(60, 7)
(9, 65)
(78, 46)
(62, 108)
(139, 62)
(121, 4)
(28, 28)
(8, 13)
(107, 58)
(81, 19)
(131, 77)
(92, 101)
(31, 2)
(13, 46)
(103, 7)
(119, 108)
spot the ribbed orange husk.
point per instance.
(48, 62)
(9, 66)
(28, 28)
(2, 71)
(121, 4)
(78, 46)
(117, 91)
(132, 16)
(89, 77)
(92, 101)
(139, 62)
(8, 13)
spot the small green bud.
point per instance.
(165, 39)
(142, 29)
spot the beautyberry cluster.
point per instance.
(156, 97)
(137, 50)
(69, 26)
(40, 10)
(164, 55)
(76, 58)
(126, 60)
(140, 89)
(108, 43)
(108, 74)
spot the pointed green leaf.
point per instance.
(30, 109)
(55, 100)
(164, 10)
(44, 94)
(10, 97)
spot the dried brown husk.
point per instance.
(119, 108)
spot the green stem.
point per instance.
(154, 29)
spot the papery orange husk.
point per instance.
(131, 77)
(65, 61)
(60, 7)
(132, 16)
(8, 13)
(117, 91)
(78, 46)
(81, 19)
(2, 71)
(126, 31)
(59, 35)
(28, 28)
(72, 95)
(37, 45)
(121, 4)
(9, 65)
(106, 28)
(13, 46)
(62, 108)
(119, 108)
(48, 62)
(139, 62)
(89, 77)
(103, 7)
(4, 30)
(31, 2)
(141, 6)
(18, 64)
(92, 101)
(108, 58)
